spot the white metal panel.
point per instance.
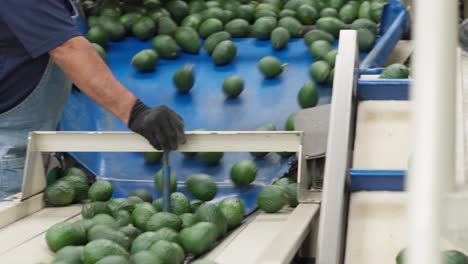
(433, 93)
(382, 138)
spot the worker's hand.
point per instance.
(161, 126)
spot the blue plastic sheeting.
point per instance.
(383, 89)
(377, 180)
(394, 25)
(263, 101)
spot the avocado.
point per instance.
(210, 158)
(158, 205)
(60, 193)
(263, 27)
(100, 191)
(246, 12)
(365, 10)
(167, 48)
(307, 14)
(364, 23)
(279, 38)
(291, 190)
(163, 219)
(89, 210)
(376, 11)
(188, 40)
(179, 203)
(319, 71)
(283, 182)
(233, 210)
(145, 240)
(317, 34)
(259, 13)
(130, 231)
(145, 257)
(270, 66)
(198, 238)
(188, 219)
(110, 11)
(395, 71)
(195, 204)
(65, 234)
(101, 248)
(233, 86)
(178, 9)
(348, 13)
(158, 181)
(211, 213)
(104, 232)
(113, 260)
(272, 198)
(143, 194)
(166, 26)
(152, 157)
(123, 218)
(308, 96)
(330, 57)
(320, 48)
(243, 172)
(454, 257)
(104, 219)
(209, 27)
(213, 40)
(141, 214)
(113, 27)
(292, 25)
(80, 185)
(331, 25)
(69, 255)
(337, 4)
(266, 127)
(75, 171)
(289, 125)
(194, 21)
(238, 28)
(129, 19)
(157, 13)
(100, 50)
(224, 53)
(287, 13)
(184, 79)
(201, 186)
(329, 12)
(145, 60)
(366, 39)
(127, 204)
(168, 252)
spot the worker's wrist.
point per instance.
(137, 109)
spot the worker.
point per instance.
(42, 52)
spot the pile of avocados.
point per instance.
(136, 229)
(175, 26)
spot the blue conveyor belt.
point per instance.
(263, 101)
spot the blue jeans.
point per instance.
(41, 110)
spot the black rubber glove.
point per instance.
(161, 126)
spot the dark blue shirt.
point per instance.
(29, 29)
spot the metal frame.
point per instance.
(332, 223)
(206, 141)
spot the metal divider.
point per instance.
(333, 214)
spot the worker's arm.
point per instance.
(81, 63)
